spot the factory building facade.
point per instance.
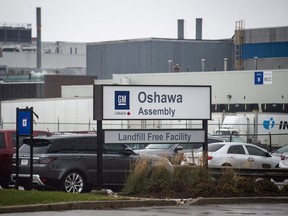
(247, 49)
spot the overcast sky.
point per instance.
(106, 20)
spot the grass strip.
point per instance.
(12, 197)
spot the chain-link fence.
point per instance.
(268, 140)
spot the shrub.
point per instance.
(265, 187)
(246, 185)
(284, 190)
(203, 187)
(137, 180)
(190, 182)
(158, 180)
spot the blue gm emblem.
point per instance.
(268, 123)
(122, 100)
(259, 78)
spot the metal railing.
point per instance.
(277, 174)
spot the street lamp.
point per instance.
(169, 65)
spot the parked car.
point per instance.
(174, 152)
(69, 162)
(282, 152)
(224, 138)
(239, 155)
(283, 164)
(7, 149)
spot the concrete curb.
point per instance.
(139, 203)
(88, 205)
(235, 200)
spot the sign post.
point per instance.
(152, 102)
(24, 127)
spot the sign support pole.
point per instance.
(205, 144)
(17, 154)
(100, 141)
(31, 150)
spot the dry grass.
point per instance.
(188, 181)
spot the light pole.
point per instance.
(169, 65)
(255, 63)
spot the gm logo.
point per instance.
(258, 78)
(122, 100)
(263, 78)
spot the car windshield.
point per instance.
(237, 139)
(214, 147)
(225, 138)
(159, 146)
(40, 146)
(282, 150)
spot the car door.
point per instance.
(116, 163)
(85, 156)
(259, 158)
(236, 156)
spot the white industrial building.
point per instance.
(232, 91)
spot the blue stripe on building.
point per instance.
(265, 50)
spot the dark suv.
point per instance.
(69, 163)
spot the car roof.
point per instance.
(223, 136)
(231, 143)
(64, 136)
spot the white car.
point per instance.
(282, 152)
(283, 164)
(240, 155)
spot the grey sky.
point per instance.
(105, 20)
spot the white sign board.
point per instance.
(157, 102)
(158, 136)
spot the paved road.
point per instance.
(211, 210)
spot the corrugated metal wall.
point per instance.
(266, 35)
(266, 63)
(152, 55)
(269, 45)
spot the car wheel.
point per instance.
(27, 187)
(74, 182)
(279, 179)
(5, 185)
(227, 164)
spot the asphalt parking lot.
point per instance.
(212, 209)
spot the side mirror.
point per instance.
(128, 151)
(268, 154)
(178, 148)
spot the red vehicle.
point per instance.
(7, 149)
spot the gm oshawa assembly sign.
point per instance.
(152, 102)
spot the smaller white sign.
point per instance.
(152, 136)
(267, 78)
